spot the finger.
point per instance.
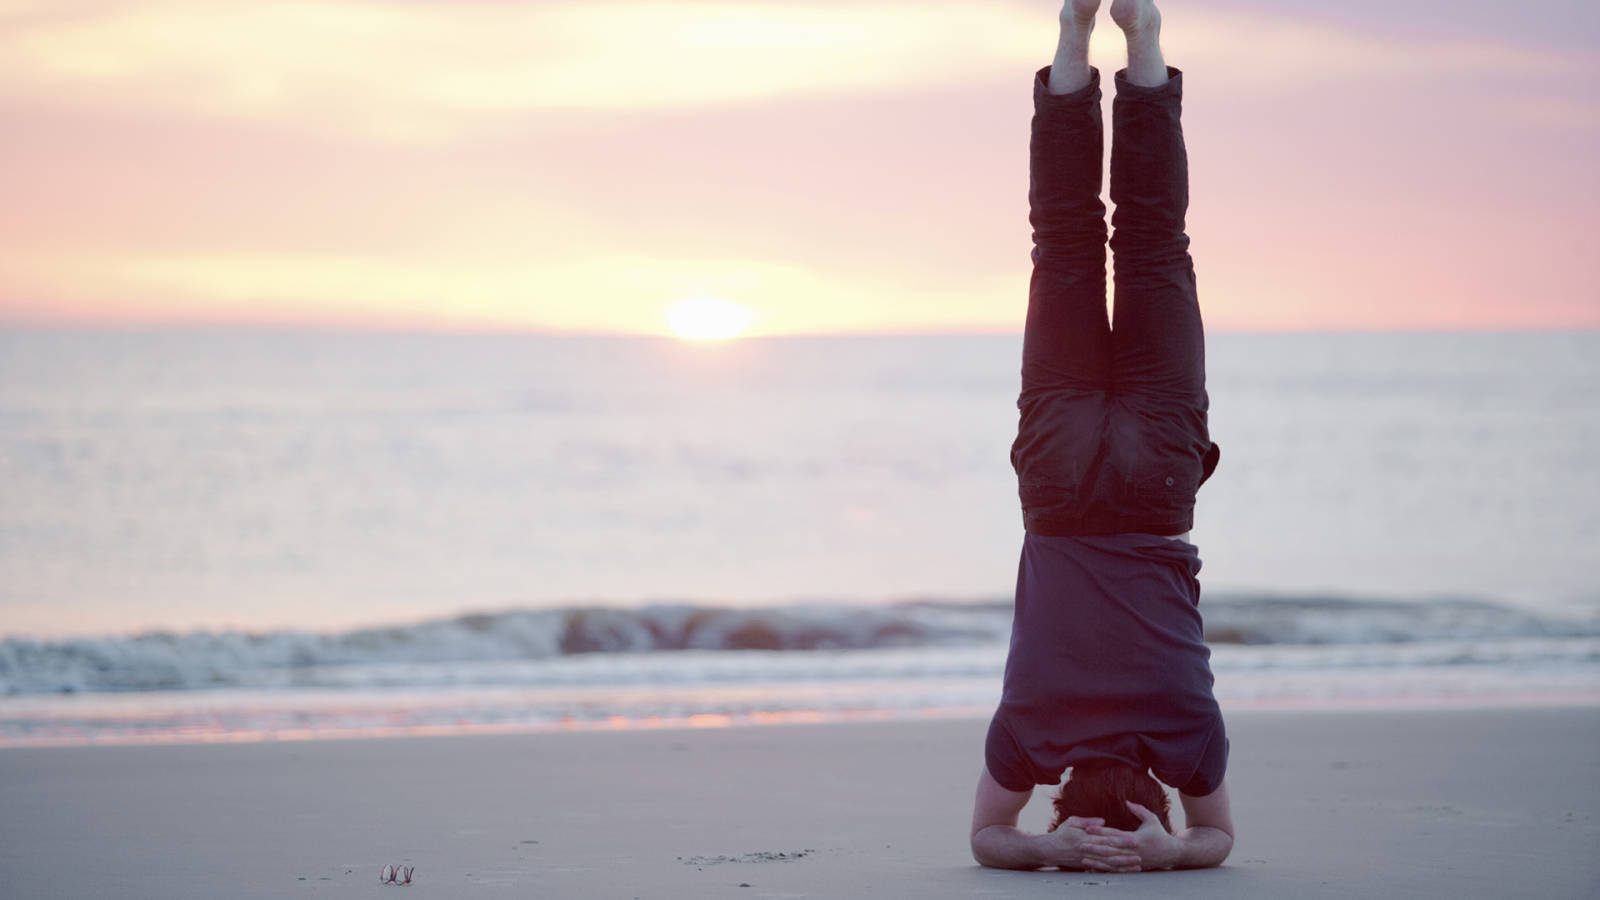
(1107, 847)
(1083, 823)
(1144, 815)
(1113, 857)
(1119, 855)
(1124, 841)
(1095, 865)
(1095, 845)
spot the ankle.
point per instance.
(1074, 27)
(1148, 29)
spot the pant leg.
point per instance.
(1067, 340)
(1158, 342)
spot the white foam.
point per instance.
(692, 644)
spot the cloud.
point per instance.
(837, 166)
(424, 72)
(1558, 112)
(1266, 49)
(614, 292)
(427, 72)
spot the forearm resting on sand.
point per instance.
(1202, 847)
(1206, 841)
(1199, 847)
(1009, 847)
(998, 842)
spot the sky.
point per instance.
(833, 166)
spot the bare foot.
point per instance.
(1080, 12)
(1136, 16)
(1140, 22)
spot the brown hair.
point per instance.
(1098, 791)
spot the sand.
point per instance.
(1456, 804)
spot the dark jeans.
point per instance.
(1112, 436)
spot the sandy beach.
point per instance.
(1460, 803)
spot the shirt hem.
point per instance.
(1086, 526)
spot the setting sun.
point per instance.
(708, 318)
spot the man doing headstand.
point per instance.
(1108, 673)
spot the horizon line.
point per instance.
(137, 326)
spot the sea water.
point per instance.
(540, 529)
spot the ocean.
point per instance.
(230, 535)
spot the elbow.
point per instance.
(985, 853)
(1225, 847)
(976, 844)
(1205, 847)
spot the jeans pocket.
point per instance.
(1167, 488)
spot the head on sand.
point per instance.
(1101, 790)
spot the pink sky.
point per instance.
(832, 166)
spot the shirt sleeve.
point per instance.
(1213, 765)
(1208, 464)
(1008, 765)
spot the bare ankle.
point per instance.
(1070, 70)
(1075, 28)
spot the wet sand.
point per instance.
(1403, 803)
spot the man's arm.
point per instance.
(1206, 841)
(1207, 837)
(998, 842)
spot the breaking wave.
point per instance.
(420, 653)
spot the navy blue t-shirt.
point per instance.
(1108, 662)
